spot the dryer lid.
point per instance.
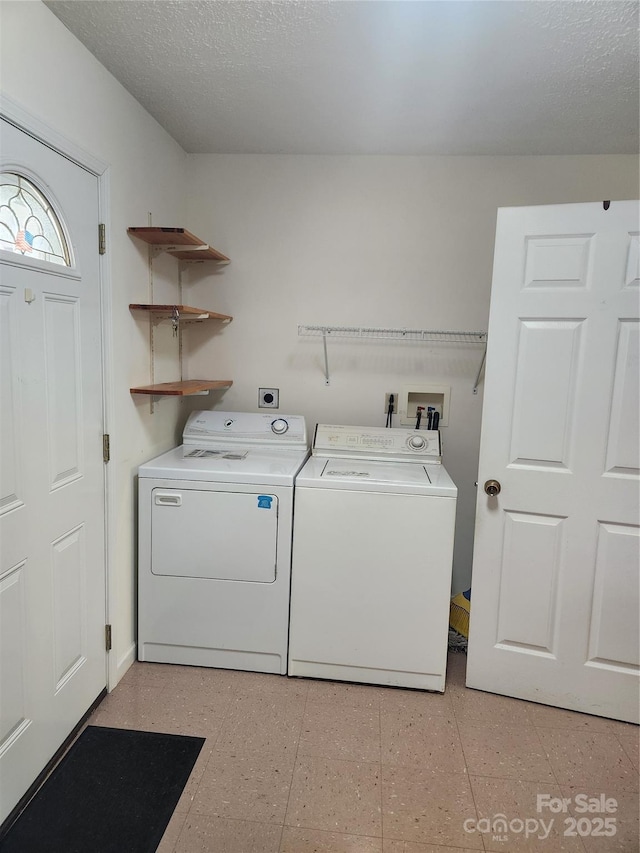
(257, 465)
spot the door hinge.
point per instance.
(106, 448)
(107, 637)
(102, 238)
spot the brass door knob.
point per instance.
(492, 488)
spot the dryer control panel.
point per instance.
(397, 445)
(213, 428)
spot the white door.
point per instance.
(554, 598)
(52, 569)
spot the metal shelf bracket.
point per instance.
(419, 335)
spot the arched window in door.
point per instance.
(28, 223)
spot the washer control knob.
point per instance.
(279, 426)
(417, 442)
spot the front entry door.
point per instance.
(52, 569)
(554, 598)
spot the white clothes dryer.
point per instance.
(372, 558)
(215, 528)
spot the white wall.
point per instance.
(376, 241)
(50, 74)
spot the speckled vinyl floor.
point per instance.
(302, 766)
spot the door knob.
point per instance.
(492, 488)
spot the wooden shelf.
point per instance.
(184, 245)
(183, 388)
(184, 312)
(179, 242)
(208, 253)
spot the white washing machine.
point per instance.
(372, 558)
(215, 528)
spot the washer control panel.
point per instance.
(401, 445)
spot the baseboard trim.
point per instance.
(124, 662)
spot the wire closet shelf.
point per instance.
(418, 335)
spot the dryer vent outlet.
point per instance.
(268, 398)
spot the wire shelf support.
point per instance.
(390, 334)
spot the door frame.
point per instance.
(15, 114)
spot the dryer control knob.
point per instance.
(417, 442)
(279, 426)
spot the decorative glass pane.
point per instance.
(28, 224)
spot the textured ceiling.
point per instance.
(375, 76)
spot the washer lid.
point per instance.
(250, 465)
(370, 476)
(382, 472)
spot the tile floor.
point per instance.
(295, 766)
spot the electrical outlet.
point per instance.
(394, 410)
(268, 398)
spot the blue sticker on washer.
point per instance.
(264, 502)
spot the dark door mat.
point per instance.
(114, 791)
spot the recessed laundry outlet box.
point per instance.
(412, 396)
